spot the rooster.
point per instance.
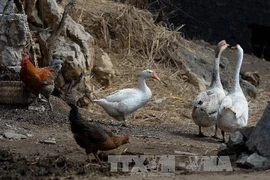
(93, 138)
(39, 80)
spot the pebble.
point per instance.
(29, 135)
(257, 161)
(49, 141)
(36, 108)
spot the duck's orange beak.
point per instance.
(155, 76)
(233, 47)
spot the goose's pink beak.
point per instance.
(155, 76)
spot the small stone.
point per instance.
(13, 135)
(36, 108)
(49, 141)
(257, 161)
(29, 135)
(236, 142)
(225, 151)
(241, 161)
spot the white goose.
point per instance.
(233, 109)
(120, 104)
(205, 105)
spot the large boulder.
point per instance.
(202, 64)
(259, 137)
(9, 9)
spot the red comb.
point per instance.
(25, 57)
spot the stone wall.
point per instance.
(214, 20)
(13, 36)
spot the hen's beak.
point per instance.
(155, 76)
(233, 47)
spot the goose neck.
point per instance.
(215, 73)
(141, 83)
(236, 84)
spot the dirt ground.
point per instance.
(156, 129)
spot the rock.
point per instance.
(236, 142)
(257, 161)
(77, 33)
(13, 36)
(29, 135)
(73, 56)
(246, 131)
(32, 13)
(259, 137)
(225, 151)
(248, 89)
(252, 77)
(103, 67)
(196, 80)
(9, 9)
(241, 161)
(50, 13)
(36, 108)
(203, 67)
(5, 156)
(74, 46)
(13, 135)
(49, 141)
(16, 69)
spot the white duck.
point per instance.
(120, 104)
(233, 109)
(206, 104)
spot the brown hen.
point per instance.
(93, 138)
